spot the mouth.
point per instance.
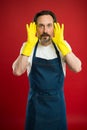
(44, 38)
(44, 35)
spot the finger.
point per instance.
(30, 25)
(34, 25)
(62, 27)
(58, 26)
(27, 27)
(55, 25)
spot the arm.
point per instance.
(20, 65)
(70, 58)
(73, 62)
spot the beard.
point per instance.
(45, 38)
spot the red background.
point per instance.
(14, 14)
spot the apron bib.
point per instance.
(46, 105)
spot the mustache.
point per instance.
(44, 34)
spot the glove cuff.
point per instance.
(26, 49)
(64, 47)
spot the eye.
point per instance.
(40, 25)
(49, 25)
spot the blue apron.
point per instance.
(46, 105)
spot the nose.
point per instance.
(45, 29)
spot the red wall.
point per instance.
(14, 14)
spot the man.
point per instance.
(44, 56)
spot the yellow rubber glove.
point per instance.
(31, 39)
(58, 39)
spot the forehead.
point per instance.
(44, 19)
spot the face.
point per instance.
(45, 28)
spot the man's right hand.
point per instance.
(31, 39)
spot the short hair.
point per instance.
(45, 12)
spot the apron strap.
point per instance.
(57, 52)
(35, 49)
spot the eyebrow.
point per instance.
(43, 24)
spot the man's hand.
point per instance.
(58, 39)
(31, 39)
